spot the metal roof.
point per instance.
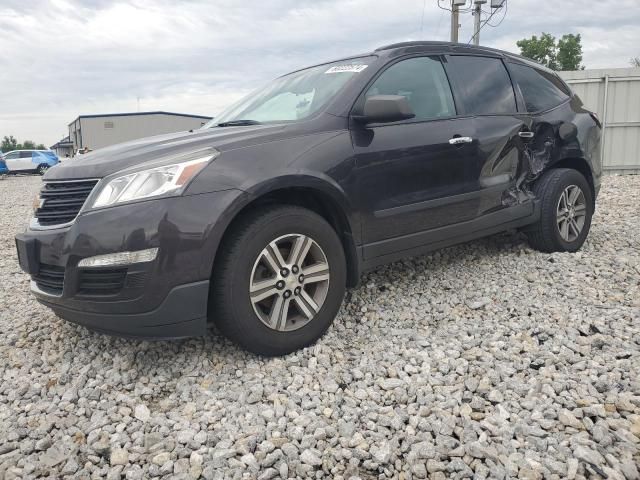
(132, 114)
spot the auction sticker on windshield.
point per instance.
(347, 68)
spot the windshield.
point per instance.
(294, 96)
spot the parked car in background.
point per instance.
(38, 161)
(3, 166)
(260, 220)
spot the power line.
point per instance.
(487, 22)
(506, 8)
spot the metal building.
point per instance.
(97, 131)
(614, 94)
(63, 148)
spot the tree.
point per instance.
(9, 143)
(569, 54)
(542, 50)
(635, 62)
(565, 54)
(28, 145)
(41, 146)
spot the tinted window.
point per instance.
(25, 154)
(423, 82)
(11, 156)
(541, 90)
(483, 84)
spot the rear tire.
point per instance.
(566, 208)
(279, 280)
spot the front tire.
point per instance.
(42, 169)
(566, 202)
(279, 280)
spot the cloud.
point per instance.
(62, 58)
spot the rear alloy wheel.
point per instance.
(279, 280)
(566, 207)
(42, 168)
(571, 213)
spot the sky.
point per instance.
(64, 58)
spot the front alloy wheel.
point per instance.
(279, 280)
(289, 282)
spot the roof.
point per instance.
(415, 46)
(132, 114)
(417, 43)
(453, 46)
(65, 142)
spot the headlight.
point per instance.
(151, 182)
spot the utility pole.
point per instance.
(455, 18)
(477, 12)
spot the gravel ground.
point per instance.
(487, 360)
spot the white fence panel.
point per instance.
(614, 94)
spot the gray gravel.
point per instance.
(487, 360)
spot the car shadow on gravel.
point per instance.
(160, 355)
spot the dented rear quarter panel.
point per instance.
(548, 148)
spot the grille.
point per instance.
(104, 281)
(61, 201)
(50, 279)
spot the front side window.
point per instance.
(294, 96)
(541, 90)
(483, 84)
(423, 82)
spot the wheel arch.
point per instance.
(582, 166)
(321, 197)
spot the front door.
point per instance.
(18, 161)
(420, 174)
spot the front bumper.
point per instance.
(167, 297)
(183, 313)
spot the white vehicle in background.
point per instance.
(38, 161)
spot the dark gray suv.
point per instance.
(259, 221)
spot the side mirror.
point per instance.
(385, 108)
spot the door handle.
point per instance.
(460, 140)
(526, 134)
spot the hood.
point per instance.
(105, 161)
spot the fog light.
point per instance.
(120, 258)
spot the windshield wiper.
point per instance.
(238, 123)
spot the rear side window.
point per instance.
(423, 82)
(483, 84)
(541, 90)
(11, 156)
(25, 154)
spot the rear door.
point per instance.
(484, 92)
